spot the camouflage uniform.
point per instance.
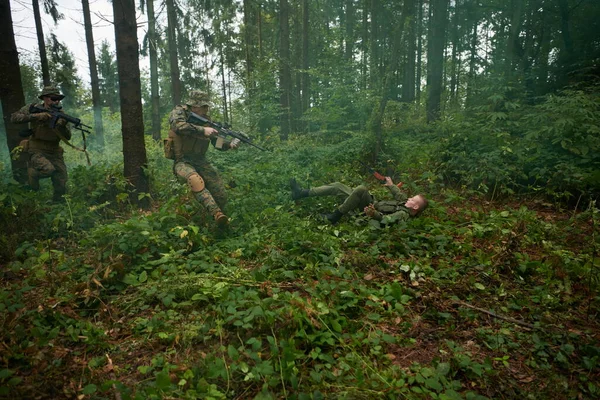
(45, 155)
(189, 145)
(359, 198)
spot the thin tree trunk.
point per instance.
(11, 89)
(419, 52)
(364, 44)
(134, 148)
(374, 43)
(435, 58)
(285, 77)
(454, 66)
(154, 87)
(223, 86)
(41, 43)
(173, 59)
(349, 50)
(472, 66)
(305, 59)
(388, 75)
(248, 45)
(513, 38)
(96, 105)
(408, 85)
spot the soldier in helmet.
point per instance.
(45, 155)
(187, 144)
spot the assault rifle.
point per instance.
(55, 112)
(378, 176)
(223, 130)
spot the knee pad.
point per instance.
(195, 182)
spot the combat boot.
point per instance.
(221, 219)
(334, 217)
(297, 191)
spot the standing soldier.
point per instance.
(43, 146)
(187, 144)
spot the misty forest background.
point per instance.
(127, 290)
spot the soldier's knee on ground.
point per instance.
(195, 182)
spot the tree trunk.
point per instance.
(435, 58)
(419, 52)
(248, 45)
(41, 43)
(455, 68)
(349, 49)
(11, 89)
(472, 66)
(285, 77)
(173, 59)
(512, 45)
(305, 59)
(377, 118)
(134, 148)
(223, 85)
(154, 93)
(364, 44)
(89, 39)
(374, 44)
(408, 85)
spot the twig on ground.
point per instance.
(493, 314)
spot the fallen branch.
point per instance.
(111, 370)
(493, 314)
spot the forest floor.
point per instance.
(475, 299)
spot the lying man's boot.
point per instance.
(334, 217)
(297, 191)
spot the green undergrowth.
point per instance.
(478, 298)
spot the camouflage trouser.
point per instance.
(358, 198)
(48, 165)
(213, 197)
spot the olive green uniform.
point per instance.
(359, 198)
(189, 146)
(44, 150)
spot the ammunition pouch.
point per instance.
(169, 148)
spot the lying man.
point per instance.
(386, 211)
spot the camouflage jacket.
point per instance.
(188, 139)
(43, 137)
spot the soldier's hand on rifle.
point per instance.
(388, 181)
(234, 144)
(210, 132)
(44, 116)
(61, 122)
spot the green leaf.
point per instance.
(479, 286)
(89, 389)
(143, 277)
(163, 381)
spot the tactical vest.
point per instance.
(188, 146)
(44, 138)
(389, 206)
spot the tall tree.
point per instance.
(285, 77)
(305, 56)
(63, 71)
(89, 39)
(435, 57)
(132, 123)
(153, 55)
(50, 8)
(174, 62)
(408, 85)
(11, 90)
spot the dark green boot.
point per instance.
(297, 191)
(334, 217)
